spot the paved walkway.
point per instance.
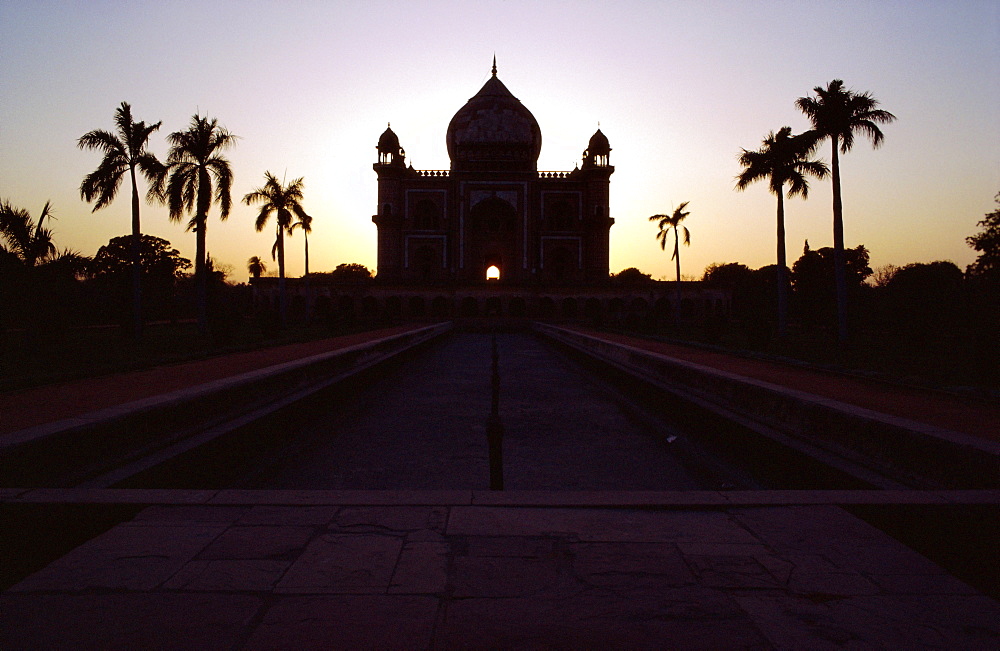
(456, 569)
(423, 426)
(278, 570)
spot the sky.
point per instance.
(678, 87)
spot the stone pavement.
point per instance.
(460, 569)
(466, 569)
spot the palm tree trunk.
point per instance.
(200, 275)
(136, 263)
(677, 285)
(282, 299)
(305, 234)
(839, 265)
(782, 269)
(200, 268)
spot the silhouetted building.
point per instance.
(493, 208)
(544, 234)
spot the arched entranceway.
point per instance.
(492, 241)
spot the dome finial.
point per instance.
(494, 64)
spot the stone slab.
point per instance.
(291, 516)
(161, 515)
(347, 622)
(344, 564)
(625, 566)
(127, 557)
(599, 525)
(390, 519)
(824, 621)
(688, 617)
(422, 569)
(259, 542)
(125, 621)
(227, 575)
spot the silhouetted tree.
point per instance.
(194, 160)
(26, 241)
(984, 277)
(814, 283)
(883, 275)
(285, 202)
(631, 277)
(35, 278)
(924, 317)
(124, 150)
(926, 287)
(987, 242)
(728, 274)
(256, 266)
(350, 272)
(838, 113)
(160, 264)
(157, 257)
(666, 223)
(783, 159)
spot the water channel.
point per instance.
(422, 425)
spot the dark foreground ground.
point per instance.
(273, 568)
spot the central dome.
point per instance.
(494, 131)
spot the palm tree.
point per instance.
(284, 201)
(666, 223)
(124, 150)
(305, 223)
(26, 240)
(256, 266)
(26, 244)
(194, 161)
(783, 159)
(838, 113)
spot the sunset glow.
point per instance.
(678, 87)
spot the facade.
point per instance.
(493, 213)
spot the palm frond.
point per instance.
(102, 140)
(304, 221)
(838, 112)
(103, 183)
(223, 174)
(262, 217)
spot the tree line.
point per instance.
(837, 114)
(195, 176)
(929, 320)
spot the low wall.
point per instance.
(906, 448)
(50, 451)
